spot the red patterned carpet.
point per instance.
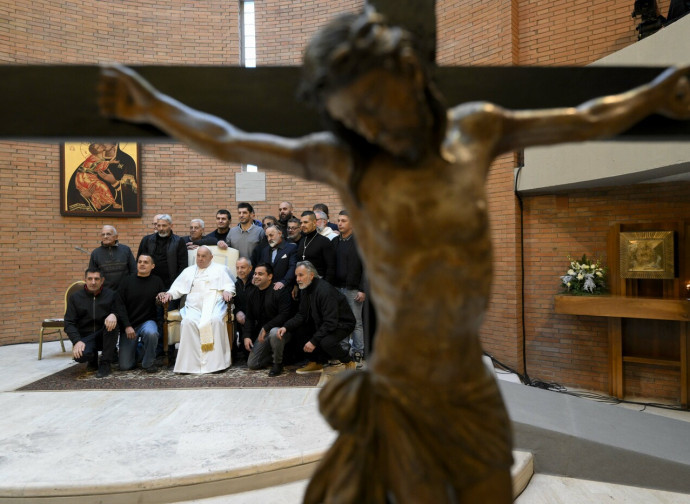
(238, 376)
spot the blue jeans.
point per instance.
(148, 334)
(271, 350)
(357, 335)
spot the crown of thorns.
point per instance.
(348, 47)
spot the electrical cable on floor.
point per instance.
(557, 387)
(524, 378)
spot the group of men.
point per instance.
(299, 282)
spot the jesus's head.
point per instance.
(368, 80)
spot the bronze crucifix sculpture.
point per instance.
(431, 428)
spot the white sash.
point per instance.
(205, 328)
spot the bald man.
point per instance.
(112, 258)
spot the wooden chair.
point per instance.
(57, 324)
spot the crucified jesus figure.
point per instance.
(425, 423)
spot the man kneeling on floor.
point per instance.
(138, 294)
(327, 311)
(267, 310)
(204, 345)
(91, 322)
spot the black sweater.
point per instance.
(115, 263)
(138, 295)
(320, 252)
(348, 271)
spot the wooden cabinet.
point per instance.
(647, 318)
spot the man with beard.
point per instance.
(112, 258)
(316, 249)
(267, 310)
(284, 215)
(168, 251)
(293, 231)
(282, 256)
(323, 309)
(169, 254)
(322, 207)
(322, 226)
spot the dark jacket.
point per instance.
(86, 312)
(320, 252)
(273, 312)
(347, 258)
(176, 254)
(284, 265)
(213, 238)
(115, 262)
(327, 307)
(242, 292)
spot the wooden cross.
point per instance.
(58, 102)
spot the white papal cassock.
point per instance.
(203, 319)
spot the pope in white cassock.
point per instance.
(204, 345)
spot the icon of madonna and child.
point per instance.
(104, 179)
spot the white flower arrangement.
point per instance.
(584, 276)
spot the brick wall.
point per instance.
(570, 350)
(175, 179)
(573, 350)
(473, 32)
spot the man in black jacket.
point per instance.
(91, 322)
(112, 258)
(168, 250)
(332, 318)
(169, 253)
(267, 311)
(315, 248)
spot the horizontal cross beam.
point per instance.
(58, 103)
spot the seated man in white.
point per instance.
(204, 345)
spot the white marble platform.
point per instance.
(210, 446)
(163, 444)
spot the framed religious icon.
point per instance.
(100, 179)
(647, 254)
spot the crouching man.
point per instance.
(267, 310)
(138, 294)
(91, 322)
(323, 306)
